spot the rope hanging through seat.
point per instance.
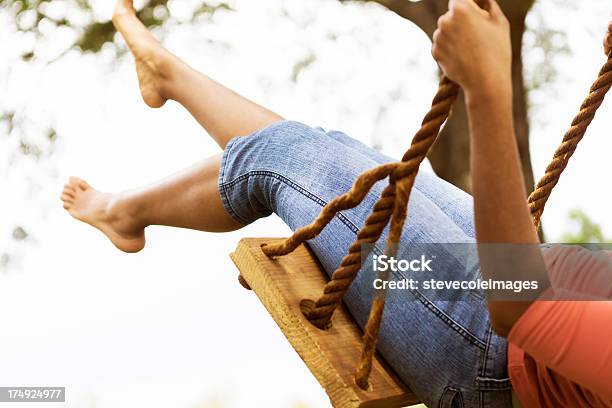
(393, 206)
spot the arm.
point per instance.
(473, 48)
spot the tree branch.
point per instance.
(422, 13)
(425, 13)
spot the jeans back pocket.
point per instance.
(451, 398)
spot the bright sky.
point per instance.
(170, 326)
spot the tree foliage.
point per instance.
(38, 22)
(41, 18)
(28, 144)
(587, 231)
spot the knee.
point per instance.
(275, 147)
(305, 155)
(290, 133)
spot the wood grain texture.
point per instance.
(331, 355)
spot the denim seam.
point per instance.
(485, 356)
(493, 384)
(223, 191)
(482, 381)
(450, 322)
(231, 210)
(267, 173)
(225, 186)
(465, 333)
(483, 369)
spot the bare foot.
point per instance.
(98, 210)
(152, 60)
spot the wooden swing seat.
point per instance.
(331, 355)
(287, 273)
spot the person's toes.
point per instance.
(78, 184)
(67, 199)
(69, 189)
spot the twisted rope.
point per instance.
(393, 205)
(599, 89)
(320, 311)
(403, 179)
(537, 201)
(346, 201)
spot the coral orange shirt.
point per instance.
(560, 351)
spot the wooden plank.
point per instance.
(331, 355)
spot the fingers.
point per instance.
(439, 48)
(459, 6)
(465, 7)
(435, 45)
(495, 10)
(444, 21)
(483, 4)
(608, 40)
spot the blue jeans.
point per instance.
(444, 351)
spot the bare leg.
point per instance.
(188, 199)
(223, 113)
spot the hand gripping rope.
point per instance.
(393, 206)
